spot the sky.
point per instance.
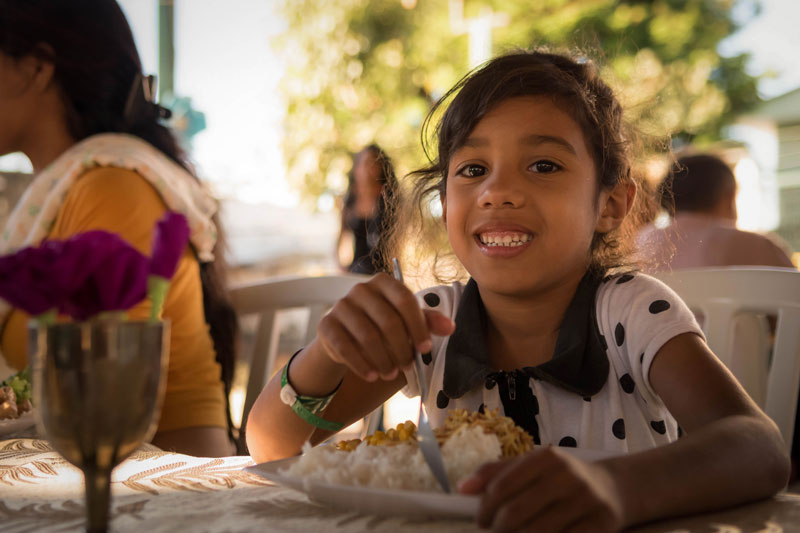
(773, 40)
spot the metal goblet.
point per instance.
(98, 387)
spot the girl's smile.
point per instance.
(500, 239)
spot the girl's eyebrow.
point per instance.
(476, 142)
(549, 139)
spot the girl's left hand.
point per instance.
(547, 490)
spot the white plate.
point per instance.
(387, 501)
(9, 426)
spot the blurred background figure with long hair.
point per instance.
(367, 210)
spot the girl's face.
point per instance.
(521, 203)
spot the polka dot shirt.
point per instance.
(594, 392)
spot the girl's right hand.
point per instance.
(376, 328)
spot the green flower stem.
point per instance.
(157, 288)
(47, 318)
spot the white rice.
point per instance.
(397, 467)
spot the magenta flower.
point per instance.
(30, 280)
(93, 272)
(115, 275)
(171, 237)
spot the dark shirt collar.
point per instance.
(579, 363)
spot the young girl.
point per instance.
(534, 176)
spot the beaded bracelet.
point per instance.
(307, 407)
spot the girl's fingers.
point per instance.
(476, 483)
(368, 339)
(389, 322)
(342, 348)
(523, 475)
(439, 324)
(409, 309)
(372, 329)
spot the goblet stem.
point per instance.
(98, 498)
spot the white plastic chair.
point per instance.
(727, 295)
(268, 297)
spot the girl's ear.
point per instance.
(614, 206)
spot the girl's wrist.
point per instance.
(313, 373)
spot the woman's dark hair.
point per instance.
(696, 183)
(386, 200)
(91, 47)
(575, 87)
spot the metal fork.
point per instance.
(428, 444)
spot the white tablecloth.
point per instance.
(155, 491)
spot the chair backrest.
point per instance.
(265, 299)
(724, 294)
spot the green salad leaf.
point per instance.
(20, 383)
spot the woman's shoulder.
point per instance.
(109, 187)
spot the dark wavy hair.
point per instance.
(576, 88)
(91, 47)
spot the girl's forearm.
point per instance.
(734, 460)
(274, 431)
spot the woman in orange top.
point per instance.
(73, 99)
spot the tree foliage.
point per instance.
(362, 71)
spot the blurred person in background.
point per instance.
(699, 192)
(367, 210)
(73, 99)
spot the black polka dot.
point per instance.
(534, 405)
(627, 383)
(482, 408)
(431, 298)
(618, 429)
(659, 426)
(587, 398)
(619, 334)
(426, 358)
(641, 359)
(490, 383)
(659, 306)
(625, 278)
(603, 342)
(442, 400)
(568, 442)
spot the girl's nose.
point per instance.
(502, 189)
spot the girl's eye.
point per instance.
(544, 167)
(472, 171)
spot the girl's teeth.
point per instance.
(505, 240)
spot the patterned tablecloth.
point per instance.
(156, 491)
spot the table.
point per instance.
(157, 491)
